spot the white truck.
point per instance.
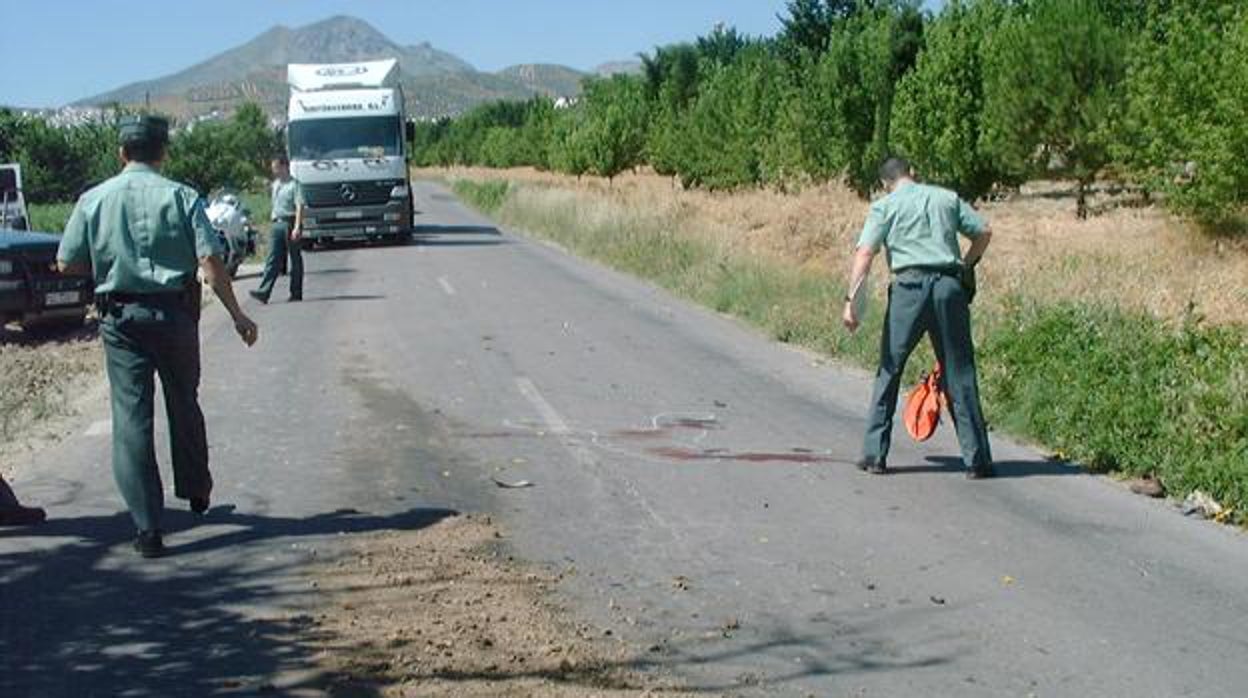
(347, 136)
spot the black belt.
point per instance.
(105, 300)
(285, 219)
(954, 271)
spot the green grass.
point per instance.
(1116, 391)
(49, 218)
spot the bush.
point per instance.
(1121, 392)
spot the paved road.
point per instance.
(690, 475)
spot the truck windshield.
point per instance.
(347, 137)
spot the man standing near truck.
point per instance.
(919, 226)
(285, 234)
(142, 237)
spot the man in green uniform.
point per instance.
(285, 234)
(919, 226)
(142, 237)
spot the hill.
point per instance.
(436, 83)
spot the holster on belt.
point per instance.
(193, 297)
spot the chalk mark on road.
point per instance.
(553, 420)
(446, 286)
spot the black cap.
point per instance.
(143, 128)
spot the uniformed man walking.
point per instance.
(285, 235)
(142, 237)
(919, 226)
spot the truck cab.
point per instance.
(347, 136)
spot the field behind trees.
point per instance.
(982, 97)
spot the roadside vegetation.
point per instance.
(1142, 387)
(983, 96)
(60, 162)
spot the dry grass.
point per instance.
(1138, 258)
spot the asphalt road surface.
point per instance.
(692, 475)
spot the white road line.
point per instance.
(446, 286)
(553, 421)
(101, 427)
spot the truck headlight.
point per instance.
(6, 267)
(399, 192)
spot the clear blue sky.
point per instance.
(96, 45)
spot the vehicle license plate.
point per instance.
(61, 298)
(350, 214)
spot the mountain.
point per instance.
(614, 67)
(436, 83)
(550, 80)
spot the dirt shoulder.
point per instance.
(44, 384)
(445, 611)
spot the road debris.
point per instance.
(1198, 503)
(514, 484)
(1147, 486)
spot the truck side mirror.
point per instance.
(410, 131)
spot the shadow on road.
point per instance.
(87, 619)
(1005, 468)
(479, 242)
(457, 229)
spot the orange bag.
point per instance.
(923, 405)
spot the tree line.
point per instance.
(983, 95)
(59, 163)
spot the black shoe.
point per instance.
(22, 516)
(259, 296)
(149, 544)
(873, 466)
(199, 505)
(294, 298)
(981, 472)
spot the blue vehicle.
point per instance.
(32, 292)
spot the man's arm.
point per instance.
(860, 266)
(219, 279)
(75, 268)
(978, 245)
(296, 231)
(72, 254)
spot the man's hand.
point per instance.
(246, 329)
(848, 318)
(217, 277)
(296, 233)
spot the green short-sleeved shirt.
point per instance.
(286, 197)
(919, 225)
(140, 232)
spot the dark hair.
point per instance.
(145, 150)
(894, 169)
(281, 158)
